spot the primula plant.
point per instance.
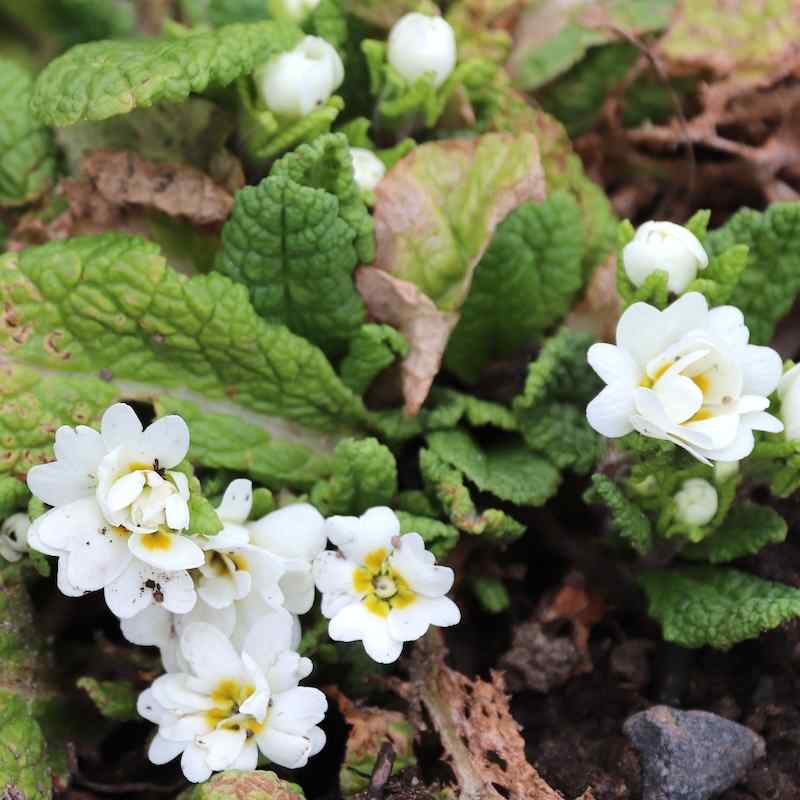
(398, 399)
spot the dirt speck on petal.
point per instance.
(427, 329)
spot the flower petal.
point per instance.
(333, 573)
(167, 439)
(237, 501)
(613, 364)
(610, 412)
(148, 707)
(680, 397)
(287, 671)
(98, 556)
(355, 622)
(63, 581)
(727, 323)
(640, 332)
(417, 566)
(81, 448)
(60, 527)
(762, 368)
(248, 758)
(284, 749)
(120, 424)
(194, 765)
(298, 709)
(58, 484)
(223, 746)
(295, 531)
(762, 421)
(411, 623)
(176, 511)
(125, 490)
(218, 592)
(162, 751)
(167, 551)
(269, 637)
(209, 652)
(297, 587)
(356, 537)
(741, 447)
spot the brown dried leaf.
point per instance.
(124, 178)
(480, 737)
(600, 309)
(426, 328)
(580, 606)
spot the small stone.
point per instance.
(690, 755)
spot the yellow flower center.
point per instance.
(228, 696)
(383, 588)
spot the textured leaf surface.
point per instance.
(769, 284)
(234, 784)
(627, 519)
(101, 79)
(716, 606)
(27, 152)
(114, 699)
(111, 303)
(295, 240)
(525, 282)
(746, 529)
(440, 538)
(23, 752)
(372, 349)
(509, 471)
(446, 484)
(364, 475)
(436, 210)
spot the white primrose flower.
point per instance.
(117, 507)
(381, 588)
(687, 375)
(231, 704)
(14, 537)
(789, 393)
(696, 502)
(368, 169)
(420, 44)
(664, 246)
(298, 81)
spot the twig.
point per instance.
(115, 788)
(382, 772)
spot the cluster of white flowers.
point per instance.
(222, 609)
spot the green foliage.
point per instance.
(263, 503)
(111, 303)
(23, 751)
(446, 484)
(203, 519)
(234, 784)
(491, 593)
(254, 447)
(114, 699)
(440, 538)
(226, 12)
(509, 471)
(716, 606)
(101, 79)
(524, 283)
(747, 528)
(550, 409)
(372, 349)
(14, 495)
(626, 518)
(364, 475)
(295, 239)
(449, 407)
(27, 152)
(769, 285)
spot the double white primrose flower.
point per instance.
(379, 587)
(664, 246)
(118, 507)
(229, 704)
(298, 81)
(686, 375)
(250, 568)
(419, 45)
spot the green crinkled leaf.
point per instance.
(364, 475)
(555, 36)
(329, 21)
(746, 529)
(509, 471)
(446, 484)
(449, 407)
(372, 349)
(716, 606)
(437, 209)
(440, 538)
(226, 12)
(111, 303)
(101, 79)
(326, 164)
(227, 441)
(114, 699)
(23, 751)
(234, 784)
(491, 593)
(14, 495)
(31, 409)
(291, 247)
(525, 282)
(27, 153)
(627, 519)
(203, 518)
(767, 288)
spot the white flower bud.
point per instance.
(420, 44)
(668, 247)
(789, 393)
(14, 536)
(295, 10)
(723, 470)
(368, 169)
(297, 82)
(696, 502)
